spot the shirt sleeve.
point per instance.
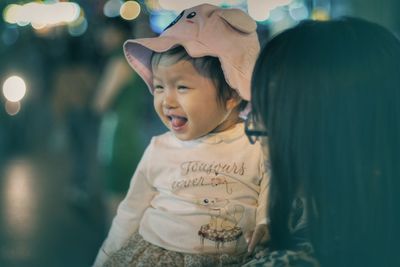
(130, 211)
(261, 215)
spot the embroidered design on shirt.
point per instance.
(196, 166)
(203, 181)
(223, 226)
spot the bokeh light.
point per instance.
(160, 20)
(152, 5)
(320, 14)
(12, 108)
(265, 10)
(277, 14)
(40, 15)
(130, 10)
(234, 2)
(298, 11)
(11, 13)
(79, 27)
(181, 5)
(111, 8)
(14, 88)
(20, 201)
(258, 10)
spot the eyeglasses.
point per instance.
(254, 128)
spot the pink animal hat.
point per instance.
(204, 30)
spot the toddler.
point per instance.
(201, 186)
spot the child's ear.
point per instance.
(233, 102)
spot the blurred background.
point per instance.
(75, 119)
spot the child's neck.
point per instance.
(229, 123)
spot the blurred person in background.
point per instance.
(124, 107)
(74, 84)
(328, 95)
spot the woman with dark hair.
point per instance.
(328, 94)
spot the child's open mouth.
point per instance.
(177, 122)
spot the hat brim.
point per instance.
(138, 52)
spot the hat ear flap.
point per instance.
(238, 20)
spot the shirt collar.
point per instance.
(227, 136)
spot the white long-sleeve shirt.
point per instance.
(196, 196)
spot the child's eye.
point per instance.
(158, 88)
(182, 87)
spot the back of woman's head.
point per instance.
(329, 94)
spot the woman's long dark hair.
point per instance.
(329, 94)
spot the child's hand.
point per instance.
(260, 235)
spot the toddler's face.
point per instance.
(186, 101)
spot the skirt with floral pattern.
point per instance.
(139, 252)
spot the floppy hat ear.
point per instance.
(238, 20)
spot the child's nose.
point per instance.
(169, 100)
